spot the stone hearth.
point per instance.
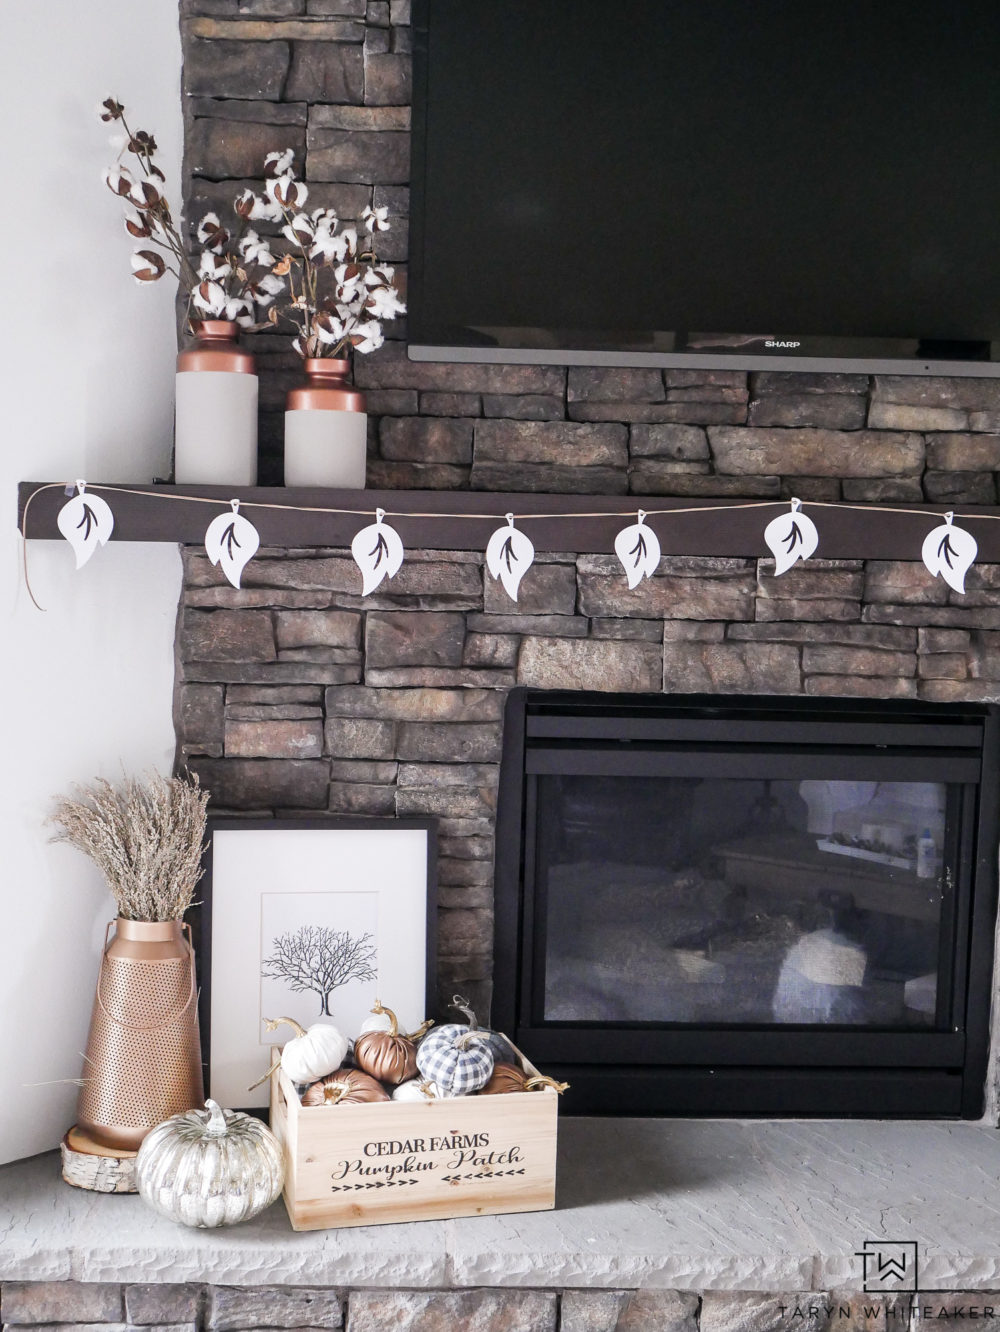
(695, 1227)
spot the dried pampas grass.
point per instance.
(146, 838)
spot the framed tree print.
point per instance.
(311, 919)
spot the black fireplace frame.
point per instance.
(740, 1070)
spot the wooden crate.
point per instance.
(366, 1165)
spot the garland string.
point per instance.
(674, 511)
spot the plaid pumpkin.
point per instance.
(457, 1070)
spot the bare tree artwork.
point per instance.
(317, 958)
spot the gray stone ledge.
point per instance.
(691, 1205)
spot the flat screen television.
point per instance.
(791, 184)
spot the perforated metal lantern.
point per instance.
(143, 1058)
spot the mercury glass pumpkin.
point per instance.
(210, 1167)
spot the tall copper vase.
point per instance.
(143, 1058)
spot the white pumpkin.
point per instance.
(379, 1021)
(311, 1054)
(417, 1089)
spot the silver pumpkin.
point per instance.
(210, 1167)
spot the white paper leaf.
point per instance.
(509, 556)
(638, 550)
(378, 553)
(790, 537)
(86, 522)
(950, 551)
(231, 542)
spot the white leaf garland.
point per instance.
(638, 551)
(86, 521)
(791, 537)
(378, 553)
(231, 542)
(950, 552)
(509, 556)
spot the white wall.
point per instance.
(87, 368)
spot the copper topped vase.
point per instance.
(326, 428)
(215, 423)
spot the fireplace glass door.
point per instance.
(708, 900)
(733, 906)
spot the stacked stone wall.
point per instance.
(295, 695)
(74, 1306)
(331, 79)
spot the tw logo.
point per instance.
(889, 1265)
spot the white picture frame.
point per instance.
(312, 919)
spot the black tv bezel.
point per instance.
(972, 359)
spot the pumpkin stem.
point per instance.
(216, 1125)
(533, 1084)
(463, 1005)
(273, 1069)
(273, 1023)
(461, 1042)
(378, 1009)
(334, 1092)
(421, 1031)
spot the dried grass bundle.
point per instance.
(146, 838)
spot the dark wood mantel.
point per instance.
(728, 528)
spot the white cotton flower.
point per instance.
(324, 217)
(256, 207)
(270, 285)
(118, 142)
(370, 335)
(376, 219)
(380, 277)
(118, 179)
(287, 191)
(328, 247)
(384, 303)
(210, 298)
(147, 266)
(281, 162)
(212, 233)
(213, 267)
(350, 238)
(299, 230)
(350, 302)
(240, 311)
(136, 224)
(347, 275)
(253, 250)
(143, 193)
(328, 329)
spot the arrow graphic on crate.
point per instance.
(482, 1174)
(381, 1184)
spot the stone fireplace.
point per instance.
(295, 695)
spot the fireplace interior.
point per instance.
(712, 905)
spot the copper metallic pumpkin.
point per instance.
(385, 1054)
(347, 1086)
(505, 1078)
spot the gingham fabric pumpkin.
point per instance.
(460, 1061)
